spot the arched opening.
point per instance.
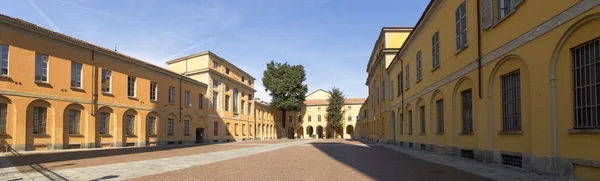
(310, 131)
(319, 131)
(421, 117)
(129, 128)
(105, 126)
(40, 118)
(290, 133)
(464, 109)
(350, 131)
(74, 121)
(300, 132)
(152, 129)
(6, 122)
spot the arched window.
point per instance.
(235, 101)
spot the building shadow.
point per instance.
(381, 163)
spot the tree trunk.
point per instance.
(283, 122)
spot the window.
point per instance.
(3, 114)
(171, 95)
(349, 108)
(215, 84)
(171, 127)
(439, 104)
(410, 127)
(467, 111)
(249, 96)
(216, 128)
(129, 124)
(249, 108)
(153, 87)
(41, 67)
(215, 100)
(235, 129)
(4, 60)
(106, 83)
(186, 127)
(505, 7)
(401, 124)
(104, 123)
(407, 77)
(227, 71)
(151, 127)
(399, 77)
(511, 102)
(235, 101)
(226, 88)
(435, 50)
(131, 86)
(226, 102)
(299, 118)
(318, 109)
(39, 120)
(74, 121)
(243, 103)
(419, 70)
(319, 118)
(76, 74)
(488, 14)
(215, 65)
(461, 26)
(243, 130)
(243, 79)
(422, 118)
(200, 100)
(186, 98)
(227, 132)
(349, 117)
(309, 118)
(585, 85)
(308, 109)
(251, 130)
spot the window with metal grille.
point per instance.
(419, 65)
(439, 104)
(435, 50)
(76, 74)
(407, 77)
(586, 59)
(151, 127)
(215, 100)
(511, 101)
(488, 13)
(467, 111)
(74, 121)
(3, 115)
(129, 125)
(410, 129)
(422, 118)
(215, 128)
(3, 59)
(106, 74)
(186, 98)
(39, 120)
(104, 123)
(153, 86)
(171, 127)
(131, 86)
(186, 127)
(41, 67)
(467, 154)
(171, 95)
(461, 26)
(423, 147)
(511, 160)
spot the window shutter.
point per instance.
(463, 22)
(458, 32)
(516, 3)
(488, 14)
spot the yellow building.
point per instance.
(58, 92)
(506, 82)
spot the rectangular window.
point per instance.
(585, 85)
(216, 128)
(186, 127)
(349, 108)
(467, 111)
(153, 91)
(318, 109)
(171, 95)
(235, 129)
(249, 108)
(39, 120)
(151, 129)
(511, 102)
(419, 69)
(488, 14)
(461, 26)
(4, 60)
(3, 114)
(410, 125)
(505, 7)
(300, 118)
(401, 124)
(349, 117)
(439, 104)
(319, 118)
(243, 79)
(106, 83)
(399, 77)
(186, 96)
(104, 123)
(215, 65)
(74, 121)
(407, 76)
(76, 74)
(422, 118)
(250, 129)
(243, 130)
(41, 67)
(171, 127)
(227, 132)
(243, 103)
(129, 125)
(215, 84)
(226, 102)
(200, 100)
(227, 71)
(131, 86)
(309, 119)
(215, 100)
(435, 50)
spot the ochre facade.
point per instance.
(506, 82)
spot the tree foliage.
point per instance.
(284, 82)
(335, 111)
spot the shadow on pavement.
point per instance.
(381, 163)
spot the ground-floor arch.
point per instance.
(350, 131)
(309, 131)
(319, 131)
(290, 133)
(300, 132)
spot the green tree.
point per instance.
(284, 82)
(335, 111)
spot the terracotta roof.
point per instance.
(325, 102)
(70, 39)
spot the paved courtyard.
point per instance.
(252, 160)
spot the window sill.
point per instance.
(75, 135)
(186, 135)
(435, 68)
(132, 97)
(584, 131)
(423, 134)
(463, 133)
(510, 132)
(440, 134)
(153, 136)
(5, 77)
(43, 84)
(107, 94)
(418, 80)
(154, 101)
(41, 135)
(105, 135)
(78, 89)
(5, 136)
(171, 135)
(461, 49)
(409, 133)
(131, 136)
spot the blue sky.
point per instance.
(333, 39)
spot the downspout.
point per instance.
(402, 99)
(478, 49)
(94, 99)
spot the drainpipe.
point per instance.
(402, 99)
(478, 48)
(94, 98)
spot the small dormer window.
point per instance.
(227, 71)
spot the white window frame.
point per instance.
(4, 60)
(171, 95)
(153, 91)
(419, 66)
(41, 72)
(461, 27)
(131, 84)
(77, 72)
(170, 127)
(186, 99)
(106, 76)
(74, 121)
(435, 49)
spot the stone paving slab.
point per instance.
(492, 171)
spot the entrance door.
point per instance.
(199, 135)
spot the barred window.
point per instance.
(153, 86)
(74, 121)
(3, 114)
(422, 118)
(131, 86)
(511, 102)
(419, 69)
(186, 127)
(151, 127)
(3, 59)
(215, 128)
(235, 129)
(171, 95)
(243, 130)
(104, 123)
(407, 77)
(467, 111)
(440, 115)
(171, 127)
(39, 120)
(76, 74)
(129, 124)
(186, 100)
(106, 74)
(410, 127)
(461, 26)
(435, 50)
(586, 79)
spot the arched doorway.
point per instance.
(309, 131)
(199, 135)
(41, 113)
(290, 133)
(350, 131)
(300, 132)
(319, 131)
